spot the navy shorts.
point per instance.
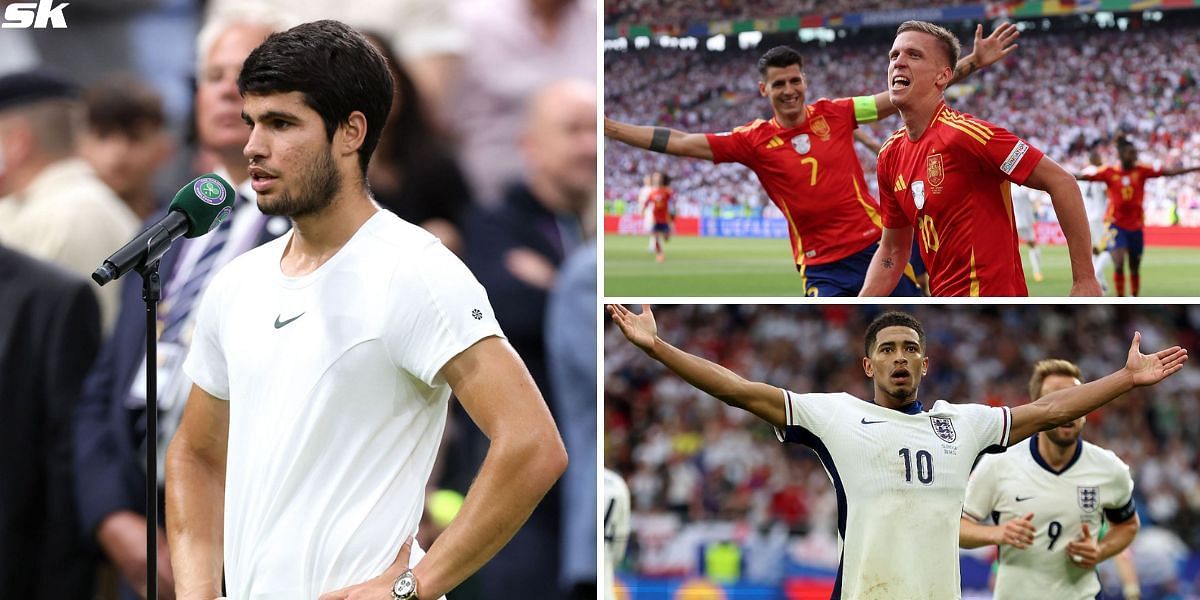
(1133, 240)
(845, 277)
(661, 228)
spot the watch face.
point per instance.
(404, 586)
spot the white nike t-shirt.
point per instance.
(900, 479)
(1093, 486)
(617, 524)
(335, 399)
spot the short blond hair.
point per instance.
(949, 41)
(1048, 367)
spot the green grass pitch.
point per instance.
(703, 266)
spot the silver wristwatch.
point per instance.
(405, 586)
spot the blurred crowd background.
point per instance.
(108, 107)
(701, 473)
(1074, 84)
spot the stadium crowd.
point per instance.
(698, 469)
(102, 120)
(1065, 92)
(650, 12)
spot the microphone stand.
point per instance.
(151, 294)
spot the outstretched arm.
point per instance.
(764, 401)
(659, 139)
(985, 52)
(887, 266)
(1173, 172)
(1068, 206)
(1069, 404)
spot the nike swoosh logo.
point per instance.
(279, 324)
(866, 422)
(1020, 499)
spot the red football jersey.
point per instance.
(812, 174)
(951, 186)
(1126, 190)
(659, 201)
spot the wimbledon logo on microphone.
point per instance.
(212, 192)
(209, 190)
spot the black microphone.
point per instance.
(197, 208)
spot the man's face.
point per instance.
(1128, 154)
(897, 362)
(1068, 433)
(560, 142)
(126, 161)
(917, 70)
(785, 87)
(218, 105)
(292, 168)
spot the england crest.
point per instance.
(801, 144)
(944, 428)
(918, 193)
(1087, 498)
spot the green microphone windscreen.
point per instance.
(207, 201)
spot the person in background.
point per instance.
(414, 173)
(49, 335)
(52, 205)
(126, 140)
(516, 251)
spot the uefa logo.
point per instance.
(209, 190)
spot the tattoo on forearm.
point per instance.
(965, 71)
(888, 263)
(658, 143)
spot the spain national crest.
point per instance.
(801, 144)
(944, 428)
(819, 127)
(1088, 498)
(934, 173)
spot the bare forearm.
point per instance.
(1068, 206)
(1173, 172)
(659, 139)
(516, 473)
(1118, 539)
(973, 535)
(195, 517)
(887, 266)
(703, 374)
(965, 67)
(1069, 404)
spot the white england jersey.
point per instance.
(900, 479)
(1093, 486)
(336, 402)
(616, 528)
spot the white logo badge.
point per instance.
(801, 144)
(24, 15)
(918, 192)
